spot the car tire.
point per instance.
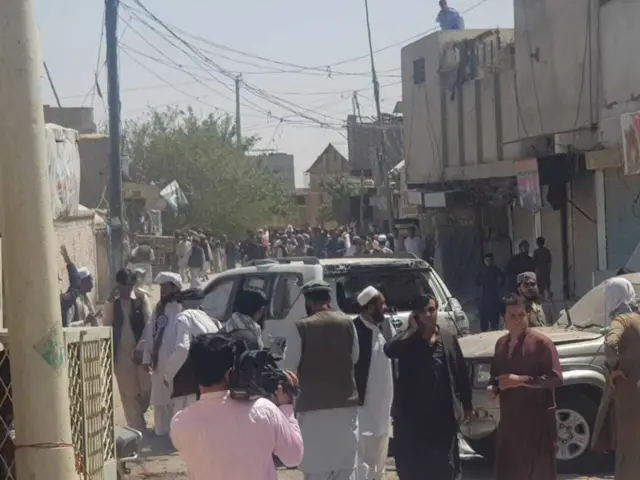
(585, 408)
(485, 447)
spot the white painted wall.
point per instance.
(556, 64)
(424, 104)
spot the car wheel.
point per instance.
(576, 414)
(485, 447)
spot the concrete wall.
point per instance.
(622, 215)
(77, 118)
(281, 164)
(458, 133)
(619, 42)
(557, 64)
(94, 169)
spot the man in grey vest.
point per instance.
(323, 352)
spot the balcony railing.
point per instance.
(91, 396)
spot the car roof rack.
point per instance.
(284, 260)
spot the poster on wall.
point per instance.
(529, 184)
(630, 123)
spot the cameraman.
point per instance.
(218, 437)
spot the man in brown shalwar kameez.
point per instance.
(524, 374)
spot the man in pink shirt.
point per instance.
(220, 438)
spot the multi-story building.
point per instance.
(519, 131)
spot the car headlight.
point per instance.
(481, 374)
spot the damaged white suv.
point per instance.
(401, 277)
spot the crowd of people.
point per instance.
(355, 376)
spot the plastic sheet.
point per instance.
(64, 169)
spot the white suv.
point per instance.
(400, 277)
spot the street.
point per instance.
(160, 461)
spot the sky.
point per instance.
(296, 97)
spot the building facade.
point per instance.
(485, 111)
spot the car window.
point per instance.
(400, 288)
(285, 293)
(263, 281)
(216, 302)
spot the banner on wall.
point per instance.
(529, 184)
(630, 123)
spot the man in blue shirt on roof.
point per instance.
(448, 18)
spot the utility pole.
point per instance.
(53, 86)
(238, 121)
(39, 375)
(115, 221)
(381, 156)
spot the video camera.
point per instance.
(255, 373)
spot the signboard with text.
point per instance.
(529, 184)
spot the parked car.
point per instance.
(580, 345)
(400, 277)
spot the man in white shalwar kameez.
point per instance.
(190, 324)
(160, 340)
(374, 379)
(323, 351)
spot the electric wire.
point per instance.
(284, 104)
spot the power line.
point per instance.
(284, 104)
(298, 69)
(325, 69)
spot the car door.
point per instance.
(285, 306)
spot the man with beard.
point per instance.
(159, 342)
(432, 396)
(528, 290)
(323, 350)
(375, 386)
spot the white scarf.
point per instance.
(239, 321)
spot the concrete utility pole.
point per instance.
(381, 156)
(238, 120)
(31, 304)
(115, 222)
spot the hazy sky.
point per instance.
(303, 33)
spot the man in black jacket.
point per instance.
(432, 396)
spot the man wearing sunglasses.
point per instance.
(528, 289)
(432, 396)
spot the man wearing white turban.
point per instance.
(619, 298)
(617, 425)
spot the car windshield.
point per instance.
(589, 310)
(399, 288)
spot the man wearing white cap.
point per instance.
(374, 381)
(160, 339)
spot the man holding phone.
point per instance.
(432, 396)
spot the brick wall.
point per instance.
(77, 235)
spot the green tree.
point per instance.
(227, 190)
